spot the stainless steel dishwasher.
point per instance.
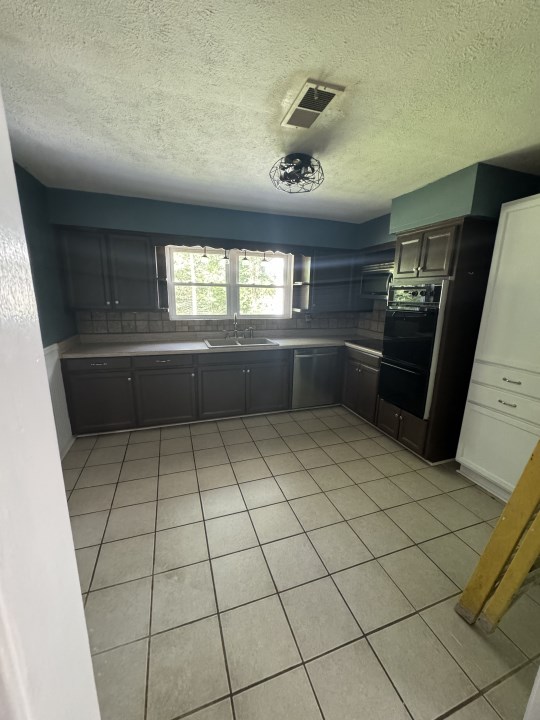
(315, 377)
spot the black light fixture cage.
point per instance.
(297, 173)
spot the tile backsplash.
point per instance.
(103, 322)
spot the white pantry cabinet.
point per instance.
(501, 424)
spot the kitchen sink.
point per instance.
(237, 342)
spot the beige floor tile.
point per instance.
(177, 511)
(174, 431)
(427, 678)
(120, 676)
(216, 476)
(410, 459)
(449, 512)
(243, 451)
(453, 556)
(479, 709)
(326, 437)
(368, 448)
(172, 446)
(479, 502)
(342, 453)
(352, 502)
(339, 547)
(135, 491)
(231, 424)
(283, 464)
(207, 458)
(180, 546)
(219, 711)
(223, 501)
(476, 536)
(484, 657)
(444, 477)
(300, 442)
(118, 614)
(319, 618)
(380, 534)
(315, 511)
(313, 425)
(415, 485)
(284, 697)
(103, 456)
(247, 470)
(75, 459)
(419, 579)
(336, 421)
(263, 432)
(180, 483)
(138, 451)
(124, 560)
(389, 464)
(330, 477)
(182, 596)
(230, 533)
(137, 469)
(208, 441)
(293, 561)
(176, 463)
(86, 561)
(258, 642)
(119, 438)
(99, 475)
(241, 578)
(274, 522)
(289, 428)
(187, 669)
(70, 478)
(510, 697)
(388, 444)
(414, 520)
(313, 458)
(297, 484)
(88, 529)
(252, 421)
(129, 521)
(258, 493)
(235, 437)
(142, 436)
(350, 434)
(202, 428)
(272, 446)
(89, 500)
(372, 596)
(350, 684)
(360, 471)
(521, 623)
(385, 493)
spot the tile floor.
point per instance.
(295, 566)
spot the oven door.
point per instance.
(409, 336)
(404, 386)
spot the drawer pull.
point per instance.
(512, 382)
(163, 361)
(506, 403)
(98, 364)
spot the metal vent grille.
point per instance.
(302, 118)
(316, 100)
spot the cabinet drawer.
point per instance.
(162, 361)
(365, 358)
(510, 403)
(244, 357)
(507, 379)
(97, 364)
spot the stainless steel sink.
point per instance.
(237, 342)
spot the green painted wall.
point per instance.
(496, 185)
(56, 321)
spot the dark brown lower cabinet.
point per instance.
(222, 391)
(165, 396)
(361, 384)
(100, 401)
(268, 387)
(368, 387)
(350, 384)
(408, 429)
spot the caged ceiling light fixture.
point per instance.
(297, 173)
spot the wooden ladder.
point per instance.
(510, 560)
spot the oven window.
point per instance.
(409, 335)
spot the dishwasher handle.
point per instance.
(318, 355)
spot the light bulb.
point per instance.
(204, 256)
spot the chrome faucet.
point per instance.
(235, 324)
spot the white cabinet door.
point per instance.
(510, 330)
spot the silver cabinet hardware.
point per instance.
(401, 417)
(244, 371)
(129, 379)
(163, 361)
(117, 302)
(192, 374)
(512, 382)
(98, 364)
(396, 414)
(507, 403)
(248, 370)
(107, 302)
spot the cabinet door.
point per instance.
(437, 252)
(268, 387)
(368, 387)
(100, 401)
(350, 384)
(133, 272)
(412, 432)
(222, 391)
(407, 259)
(388, 418)
(87, 272)
(165, 396)
(331, 298)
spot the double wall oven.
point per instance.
(412, 329)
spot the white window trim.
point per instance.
(231, 284)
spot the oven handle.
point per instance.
(398, 367)
(408, 313)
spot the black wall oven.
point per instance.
(410, 333)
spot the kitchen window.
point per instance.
(216, 283)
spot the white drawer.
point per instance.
(509, 403)
(508, 379)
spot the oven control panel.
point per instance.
(414, 294)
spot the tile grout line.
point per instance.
(149, 644)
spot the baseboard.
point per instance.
(64, 435)
(488, 485)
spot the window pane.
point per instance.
(254, 271)
(261, 301)
(189, 267)
(201, 300)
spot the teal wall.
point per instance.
(56, 321)
(72, 207)
(496, 185)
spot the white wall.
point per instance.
(45, 666)
(58, 398)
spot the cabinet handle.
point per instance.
(99, 364)
(244, 372)
(248, 371)
(107, 302)
(163, 361)
(401, 417)
(506, 403)
(117, 302)
(129, 379)
(396, 415)
(512, 382)
(192, 374)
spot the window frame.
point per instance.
(232, 285)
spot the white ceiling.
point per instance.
(182, 100)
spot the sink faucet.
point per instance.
(235, 324)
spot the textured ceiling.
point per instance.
(183, 100)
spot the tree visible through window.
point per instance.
(211, 283)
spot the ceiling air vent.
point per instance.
(310, 102)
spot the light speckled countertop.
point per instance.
(130, 349)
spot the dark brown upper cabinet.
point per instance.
(426, 253)
(109, 271)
